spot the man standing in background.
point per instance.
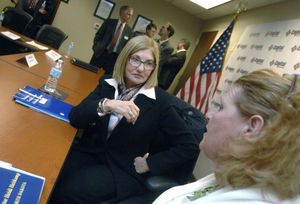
(173, 64)
(151, 30)
(165, 47)
(110, 40)
(40, 10)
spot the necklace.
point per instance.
(202, 192)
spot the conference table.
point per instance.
(30, 140)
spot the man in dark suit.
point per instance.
(41, 10)
(165, 47)
(173, 64)
(110, 39)
(151, 30)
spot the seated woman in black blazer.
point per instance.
(123, 119)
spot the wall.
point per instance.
(4, 3)
(277, 12)
(77, 19)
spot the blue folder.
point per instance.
(18, 186)
(44, 103)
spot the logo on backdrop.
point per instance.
(242, 71)
(296, 66)
(257, 47)
(277, 64)
(257, 60)
(295, 48)
(242, 46)
(293, 32)
(276, 48)
(254, 35)
(229, 82)
(230, 69)
(272, 34)
(241, 58)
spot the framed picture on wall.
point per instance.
(66, 1)
(140, 24)
(104, 9)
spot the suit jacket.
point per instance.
(170, 69)
(166, 50)
(157, 123)
(40, 19)
(105, 35)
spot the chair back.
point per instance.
(196, 123)
(16, 19)
(51, 35)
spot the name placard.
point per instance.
(53, 55)
(30, 59)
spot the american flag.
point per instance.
(201, 86)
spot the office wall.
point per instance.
(77, 19)
(277, 12)
(4, 3)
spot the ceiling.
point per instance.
(219, 11)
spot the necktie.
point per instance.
(115, 39)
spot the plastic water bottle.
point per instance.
(54, 75)
(1, 18)
(69, 50)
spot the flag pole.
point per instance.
(241, 7)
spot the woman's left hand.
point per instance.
(141, 165)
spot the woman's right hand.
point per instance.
(126, 108)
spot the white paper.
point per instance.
(10, 35)
(5, 164)
(43, 100)
(30, 59)
(37, 45)
(53, 55)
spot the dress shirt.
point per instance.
(161, 41)
(180, 50)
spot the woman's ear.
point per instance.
(255, 124)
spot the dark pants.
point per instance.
(105, 61)
(85, 178)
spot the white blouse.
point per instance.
(252, 195)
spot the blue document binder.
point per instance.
(18, 186)
(44, 103)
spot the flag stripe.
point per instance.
(202, 85)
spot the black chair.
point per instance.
(51, 35)
(16, 19)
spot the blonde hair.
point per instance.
(270, 159)
(134, 45)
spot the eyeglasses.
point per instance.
(292, 87)
(136, 62)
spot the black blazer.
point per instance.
(170, 69)
(105, 35)
(157, 123)
(165, 50)
(40, 19)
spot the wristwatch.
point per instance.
(100, 108)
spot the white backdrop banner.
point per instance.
(274, 45)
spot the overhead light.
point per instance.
(207, 4)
